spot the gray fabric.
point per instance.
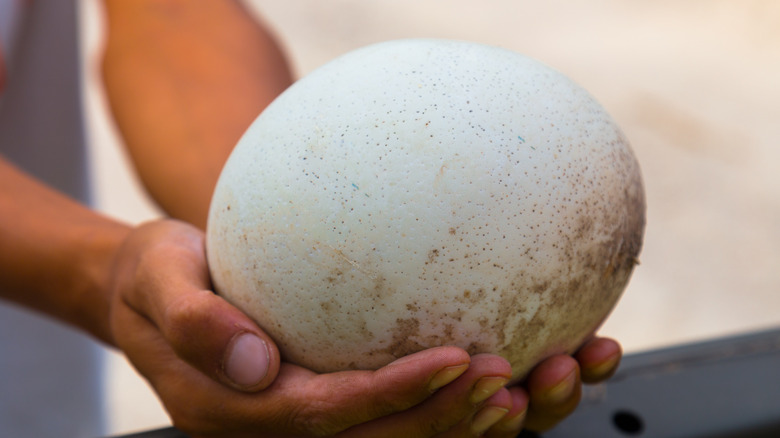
(41, 126)
(50, 376)
(50, 379)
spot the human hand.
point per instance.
(553, 388)
(218, 374)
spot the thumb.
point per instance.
(166, 281)
(221, 341)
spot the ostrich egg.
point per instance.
(419, 193)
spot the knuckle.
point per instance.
(190, 421)
(433, 426)
(185, 322)
(446, 419)
(178, 316)
(384, 405)
(318, 419)
(321, 414)
(142, 274)
(443, 419)
(203, 414)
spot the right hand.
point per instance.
(181, 337)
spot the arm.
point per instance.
(55, 254)
(184, 80)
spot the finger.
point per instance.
(599, 359)
(169, 286)
(452, 407)
(488, 414)
(326, 404)
(554, 388)
(219, 340)
(335, 402)
(301, 403)
(512, 423)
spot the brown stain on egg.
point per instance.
(335, 276)
(403, 342)
(620, 252)
(474, 348)
(474, 297)
(433, 255)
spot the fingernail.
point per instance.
(487, 417)
(602, 370)
(446, 376)
(562, 390)
(247, 360)
(486, 387)
(513, 424)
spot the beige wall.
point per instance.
(693, 83)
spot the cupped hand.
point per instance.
(553, 389)
(218, 374)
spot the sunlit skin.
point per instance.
(184, 79)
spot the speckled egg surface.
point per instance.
(419, 193)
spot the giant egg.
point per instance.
(419, 193)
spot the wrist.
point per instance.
(93, 295)
(56, 255)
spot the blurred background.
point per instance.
(695, 84)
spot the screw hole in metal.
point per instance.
(628, 422)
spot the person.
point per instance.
(184, 80)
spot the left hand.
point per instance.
(553, 388)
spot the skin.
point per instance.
(201, 71)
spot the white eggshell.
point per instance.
(419, 193)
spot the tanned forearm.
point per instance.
(184, 80)
(55, 254)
